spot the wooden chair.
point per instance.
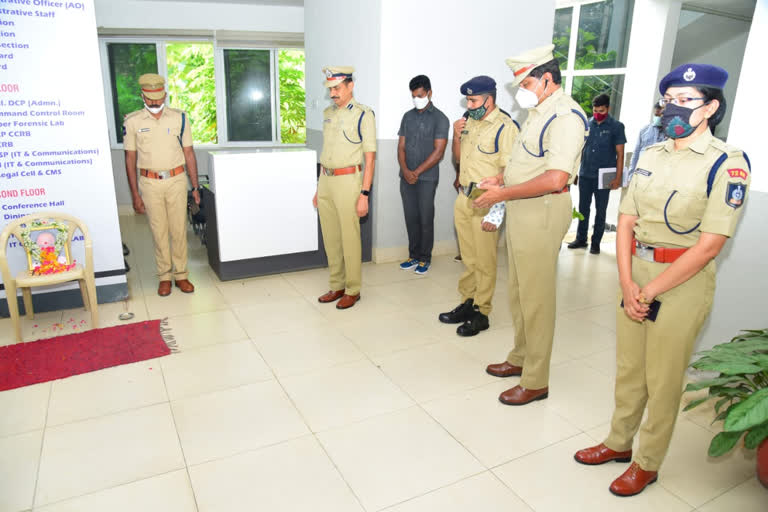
(82, 272)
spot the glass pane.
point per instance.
(293, 115)
(127, 62)
(603, 38)
(192, 87)
(561, 35)
(585, 88)
(249, 95)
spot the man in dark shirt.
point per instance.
(423, 138)
(604, 148)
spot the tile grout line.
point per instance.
(178, 437)
(312, 432)
(42, 445)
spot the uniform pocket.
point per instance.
(683, 211)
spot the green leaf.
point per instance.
(756, 436)
(721, 403)
(723, 442)
(695, 386)
(729, 368)
(696, 403)
(752, 411)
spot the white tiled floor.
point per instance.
(278, 403)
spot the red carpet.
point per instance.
(23, 364)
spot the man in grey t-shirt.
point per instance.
(423, 138)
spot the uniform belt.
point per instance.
(341, 171)
(657, 254)
(564, 189)
(162, 175)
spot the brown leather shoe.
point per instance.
(600, 454)
(330, 296)
(164, 289)
(347, 301)
(504, 370)
(518, 395)
(185, 286)
(633, 481)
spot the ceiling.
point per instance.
(739, 8)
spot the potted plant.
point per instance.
(741, 391)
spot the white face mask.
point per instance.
(421, 103)
(526, 98)
(154, 110)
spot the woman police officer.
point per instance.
(683, 203)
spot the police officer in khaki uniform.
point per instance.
(159, 140)
(349, 137)
(482, 141)
(683, 203)
(543, 163)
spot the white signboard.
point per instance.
(54, 147)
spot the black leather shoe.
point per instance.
(479, 322)
(459, 314)
(577, 244)
(595, 249)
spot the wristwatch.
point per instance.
(195, 189)
(365, 192)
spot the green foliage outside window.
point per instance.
(192, 87)
(127, 62)
(293, 118)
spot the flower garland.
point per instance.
(47, 257)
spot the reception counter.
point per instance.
(259, 214)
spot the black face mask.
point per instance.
(676, 121)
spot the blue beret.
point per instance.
(479, 85)
(694, 74)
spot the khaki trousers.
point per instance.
(337, 206)
(166, 204)
(651, 358)
(478, 253)
(535, 231)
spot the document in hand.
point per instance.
(605, 176)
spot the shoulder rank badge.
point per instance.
(734, 195)
(737, 173)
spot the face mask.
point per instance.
(676, 121)
(527, 98)
(656, 121)
(420, 103)
(599, 117)
(155, 110)
(478, 113)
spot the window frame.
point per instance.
(571, 72)
(218, 70)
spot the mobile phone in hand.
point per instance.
(653, 309)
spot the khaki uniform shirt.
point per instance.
(156, 141)
(559, 149)
(668, 192)
(348, 132)
(485, 146)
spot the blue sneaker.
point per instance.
(409, 264)
(423, 268)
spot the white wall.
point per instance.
(213, 15)
(746, 127)
(348, 34)
(652, 42)
(713, 39)
(455, 42)
(742, 276)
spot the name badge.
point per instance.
(141, 130)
